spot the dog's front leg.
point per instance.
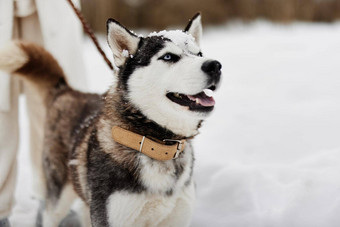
(98, 212)
(56, 209)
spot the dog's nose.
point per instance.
(213, 69)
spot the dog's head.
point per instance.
(165, 75)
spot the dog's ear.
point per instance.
(122, 42)
(194, 28)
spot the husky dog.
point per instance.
(127, 153)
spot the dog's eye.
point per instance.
(200, 54)
(169, 57)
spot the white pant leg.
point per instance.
(30, 31)
(9, 137)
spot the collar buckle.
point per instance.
(179, 146)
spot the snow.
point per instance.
(125, 53)
(270, 153)
(183, 40)
(176, 36)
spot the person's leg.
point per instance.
(30, 31)
(9, 134)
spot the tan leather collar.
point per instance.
(147, 146)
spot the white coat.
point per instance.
(62, 35)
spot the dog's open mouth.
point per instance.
(202, 101)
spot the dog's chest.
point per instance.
(166, 177)
(168, 198)
(145, 209)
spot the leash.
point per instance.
(89, 32)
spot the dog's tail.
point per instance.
(31, 62)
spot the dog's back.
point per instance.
(69, 114)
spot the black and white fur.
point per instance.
(159, 79)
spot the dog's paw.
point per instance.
(38, 220)
(4, 223)
(71, 220)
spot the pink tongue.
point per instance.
(203, 100)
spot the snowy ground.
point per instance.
(269, 156)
